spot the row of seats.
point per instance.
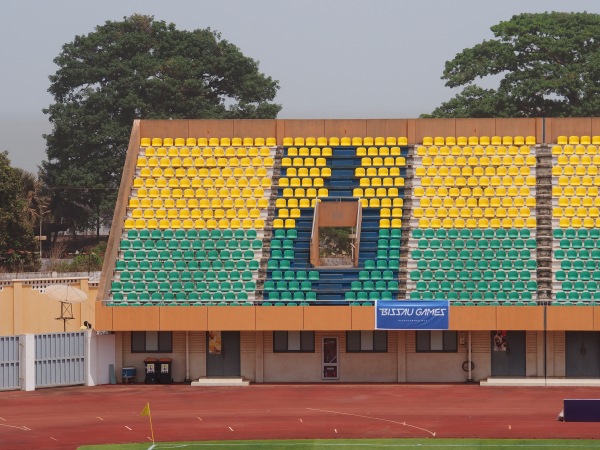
(389, 193)
(196, 213)
(313, 172)
(574, 140)
(224, 260)
(378, 151)
(202, 203)
(468, 171)
(317, 182)
(205, 180)
(477, 202)
(425, 222)
(441, 287)
(198, 162)
(189, 255)
(303, 162)
(344, 141)
(579, 170)
(572, 233)
(213, 142)
(192, 174)
(377, 172)
(476, 298)
(186, 244)
(185, 182)
(475, 161)
(478, 233)
(476, 212)
(202, 274)
(579, 181)
(482, 140)
(558, 150)
(483, 181)
(477, 192)
(470, 275)
(471, 255)
(305, 193)
(224, 192)
(206, 152)
(201, 234)
(481, 264)
(165, 224)
(484, 244)
(305, 151)
(478, 150)
(585, 201)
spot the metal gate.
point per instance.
(9, 362)
(59, 359)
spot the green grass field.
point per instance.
(360, 444)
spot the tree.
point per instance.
(137, 68)
(18, 248)
(548, 65)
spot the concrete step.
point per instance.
(221, 381)
(527, 382)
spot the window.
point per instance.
(366, 341)
(436, 341)
(294, 341)
(151, 341)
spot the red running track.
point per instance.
(65, 418)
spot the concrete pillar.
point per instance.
(17, 307)
(27, 362)
(401, 356)
(259, 355)
(90, 358)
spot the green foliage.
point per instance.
(548, 65)
(136, 68)
(90, 260)
(18, 248)
(334, 241)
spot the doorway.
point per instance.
(582, 358)
(223, 354)
(330, 359)
(508, 353)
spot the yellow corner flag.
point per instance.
(146, 412)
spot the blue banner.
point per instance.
(412, 315)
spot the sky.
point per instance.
(332, 58)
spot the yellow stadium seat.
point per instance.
(168, 142)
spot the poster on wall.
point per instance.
(500, 342)
(214, 342)
(412, 315)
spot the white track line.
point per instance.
(24, 428)
(127, 427)
(374, 418)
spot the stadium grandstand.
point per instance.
(218, 254)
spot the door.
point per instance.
(330, 358)
(582, 354)
(508, 353)
(223, 354)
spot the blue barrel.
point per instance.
(128, 374)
